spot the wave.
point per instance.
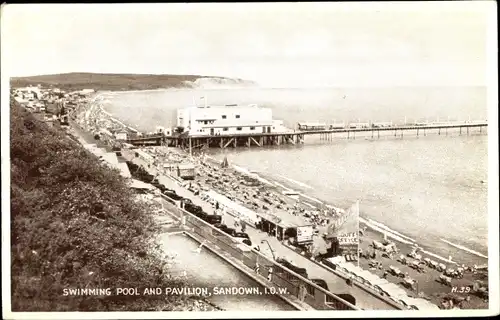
(297, 182)
(383, 226)
(438, 257)
(282, 186)
(312, 199)
(464, 248)
(389, 234)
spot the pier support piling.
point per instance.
(255, 141)
(190, 147)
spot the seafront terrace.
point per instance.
(336, 283)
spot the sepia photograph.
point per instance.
(249, 160)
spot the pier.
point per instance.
(297, 136)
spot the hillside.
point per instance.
(120, 82)
(75, 225)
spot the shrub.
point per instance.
(74, 224)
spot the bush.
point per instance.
(74, 224)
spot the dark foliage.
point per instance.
(74, 224)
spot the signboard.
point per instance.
(304, 234)
(348, 239)
(346, 230)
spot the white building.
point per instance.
(228, 120)
(121, 135)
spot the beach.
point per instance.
(263, 194)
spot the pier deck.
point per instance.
(296, 136)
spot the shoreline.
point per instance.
(371, 223)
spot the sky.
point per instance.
(280, 45)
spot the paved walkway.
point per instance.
(336, 284)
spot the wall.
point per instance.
(297, 286)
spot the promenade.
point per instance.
(336, 284)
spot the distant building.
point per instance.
(228, 120)
(121, 135)
(164, 131)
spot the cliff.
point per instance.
(125, 82)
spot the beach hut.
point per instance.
(293, 225)
(186, 171)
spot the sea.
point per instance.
(430, 188)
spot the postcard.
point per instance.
(249, 160)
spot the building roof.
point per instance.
(231, 205)
(289, 220)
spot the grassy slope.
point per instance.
(115, 82)
(74, 224)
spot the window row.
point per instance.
(225, 117)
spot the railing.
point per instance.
(296, 285)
